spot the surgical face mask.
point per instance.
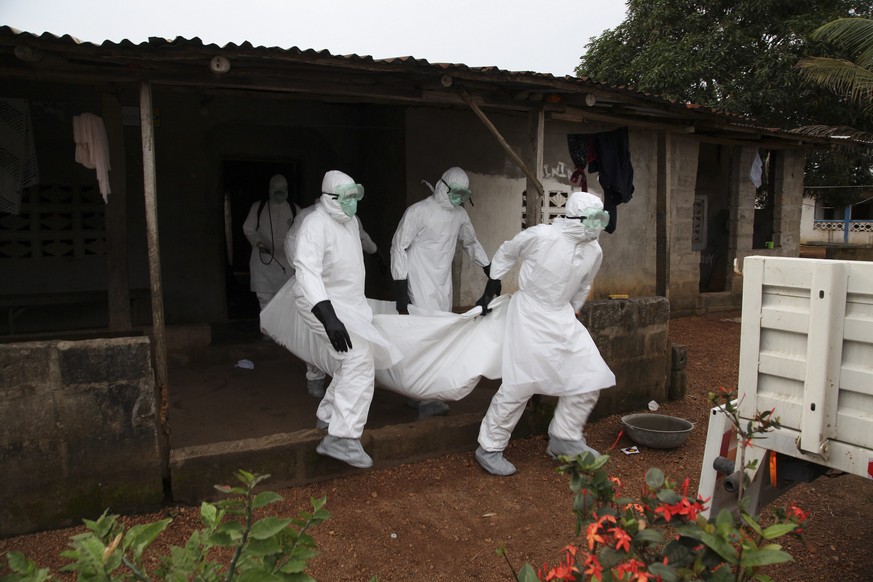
(592, 218)
(347, 196)
(457, 194)
(279, 196)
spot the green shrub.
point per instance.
(267, 549)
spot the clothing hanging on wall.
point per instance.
(577, 143)
(92, 148)
(756, 171)
(615, 172)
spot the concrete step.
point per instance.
(290, 458)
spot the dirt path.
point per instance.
(444, 518)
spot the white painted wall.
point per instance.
(807, 220)
(498, 184)
(860, 234)
(437, 140)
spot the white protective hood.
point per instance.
(455, 176)
(329, 184)
(576, 205)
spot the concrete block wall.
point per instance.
(631, 335)
(77, 424)
(684, 270)
(77, 432)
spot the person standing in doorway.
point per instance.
(265, 228)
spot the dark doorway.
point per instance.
(246, 182)
(711, 214)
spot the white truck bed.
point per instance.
(806, 350)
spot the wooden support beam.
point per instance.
(662, 216)
(531, 176)
(535, 193)
(147, 117)
(117, 284)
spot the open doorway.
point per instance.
(765, 202)
(244, 183)
(711, 216)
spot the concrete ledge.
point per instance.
(632, 337)
(290, 458)
(77, 434)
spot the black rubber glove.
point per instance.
(336, 331)
(401, 290)
(492, 288)
(487, 269)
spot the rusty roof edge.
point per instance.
(544, 82)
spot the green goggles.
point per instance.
(592, 218)
(347, 192)
(458, 194)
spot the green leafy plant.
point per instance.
(265, 549)
(662, 535)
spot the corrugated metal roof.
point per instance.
(408, 76)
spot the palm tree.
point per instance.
(853, 80)
(850, 78)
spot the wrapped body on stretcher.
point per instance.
(444, 354)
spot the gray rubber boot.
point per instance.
(315, 388)
(494, 462)
(320, 424)
(347, 450)
(561, 448)
(428, 408)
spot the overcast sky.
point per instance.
(546, 36)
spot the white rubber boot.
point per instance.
(561, 448)
(348, 450)
(494, 462)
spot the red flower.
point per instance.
(635, 568)
(796, 514)
(593, 567)
(622, 539)
(592, 534)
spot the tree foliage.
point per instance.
(852, 76)
(735, 55)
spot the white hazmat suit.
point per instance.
(422, 251)
(424, 245)
(265, 228)
(546, 349)
(329, 294)
(315, 376)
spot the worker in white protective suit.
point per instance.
(546, 349)
(265, 228)
(422, 251)
(315, 376)
(329, 297)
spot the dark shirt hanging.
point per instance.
(615, 172)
